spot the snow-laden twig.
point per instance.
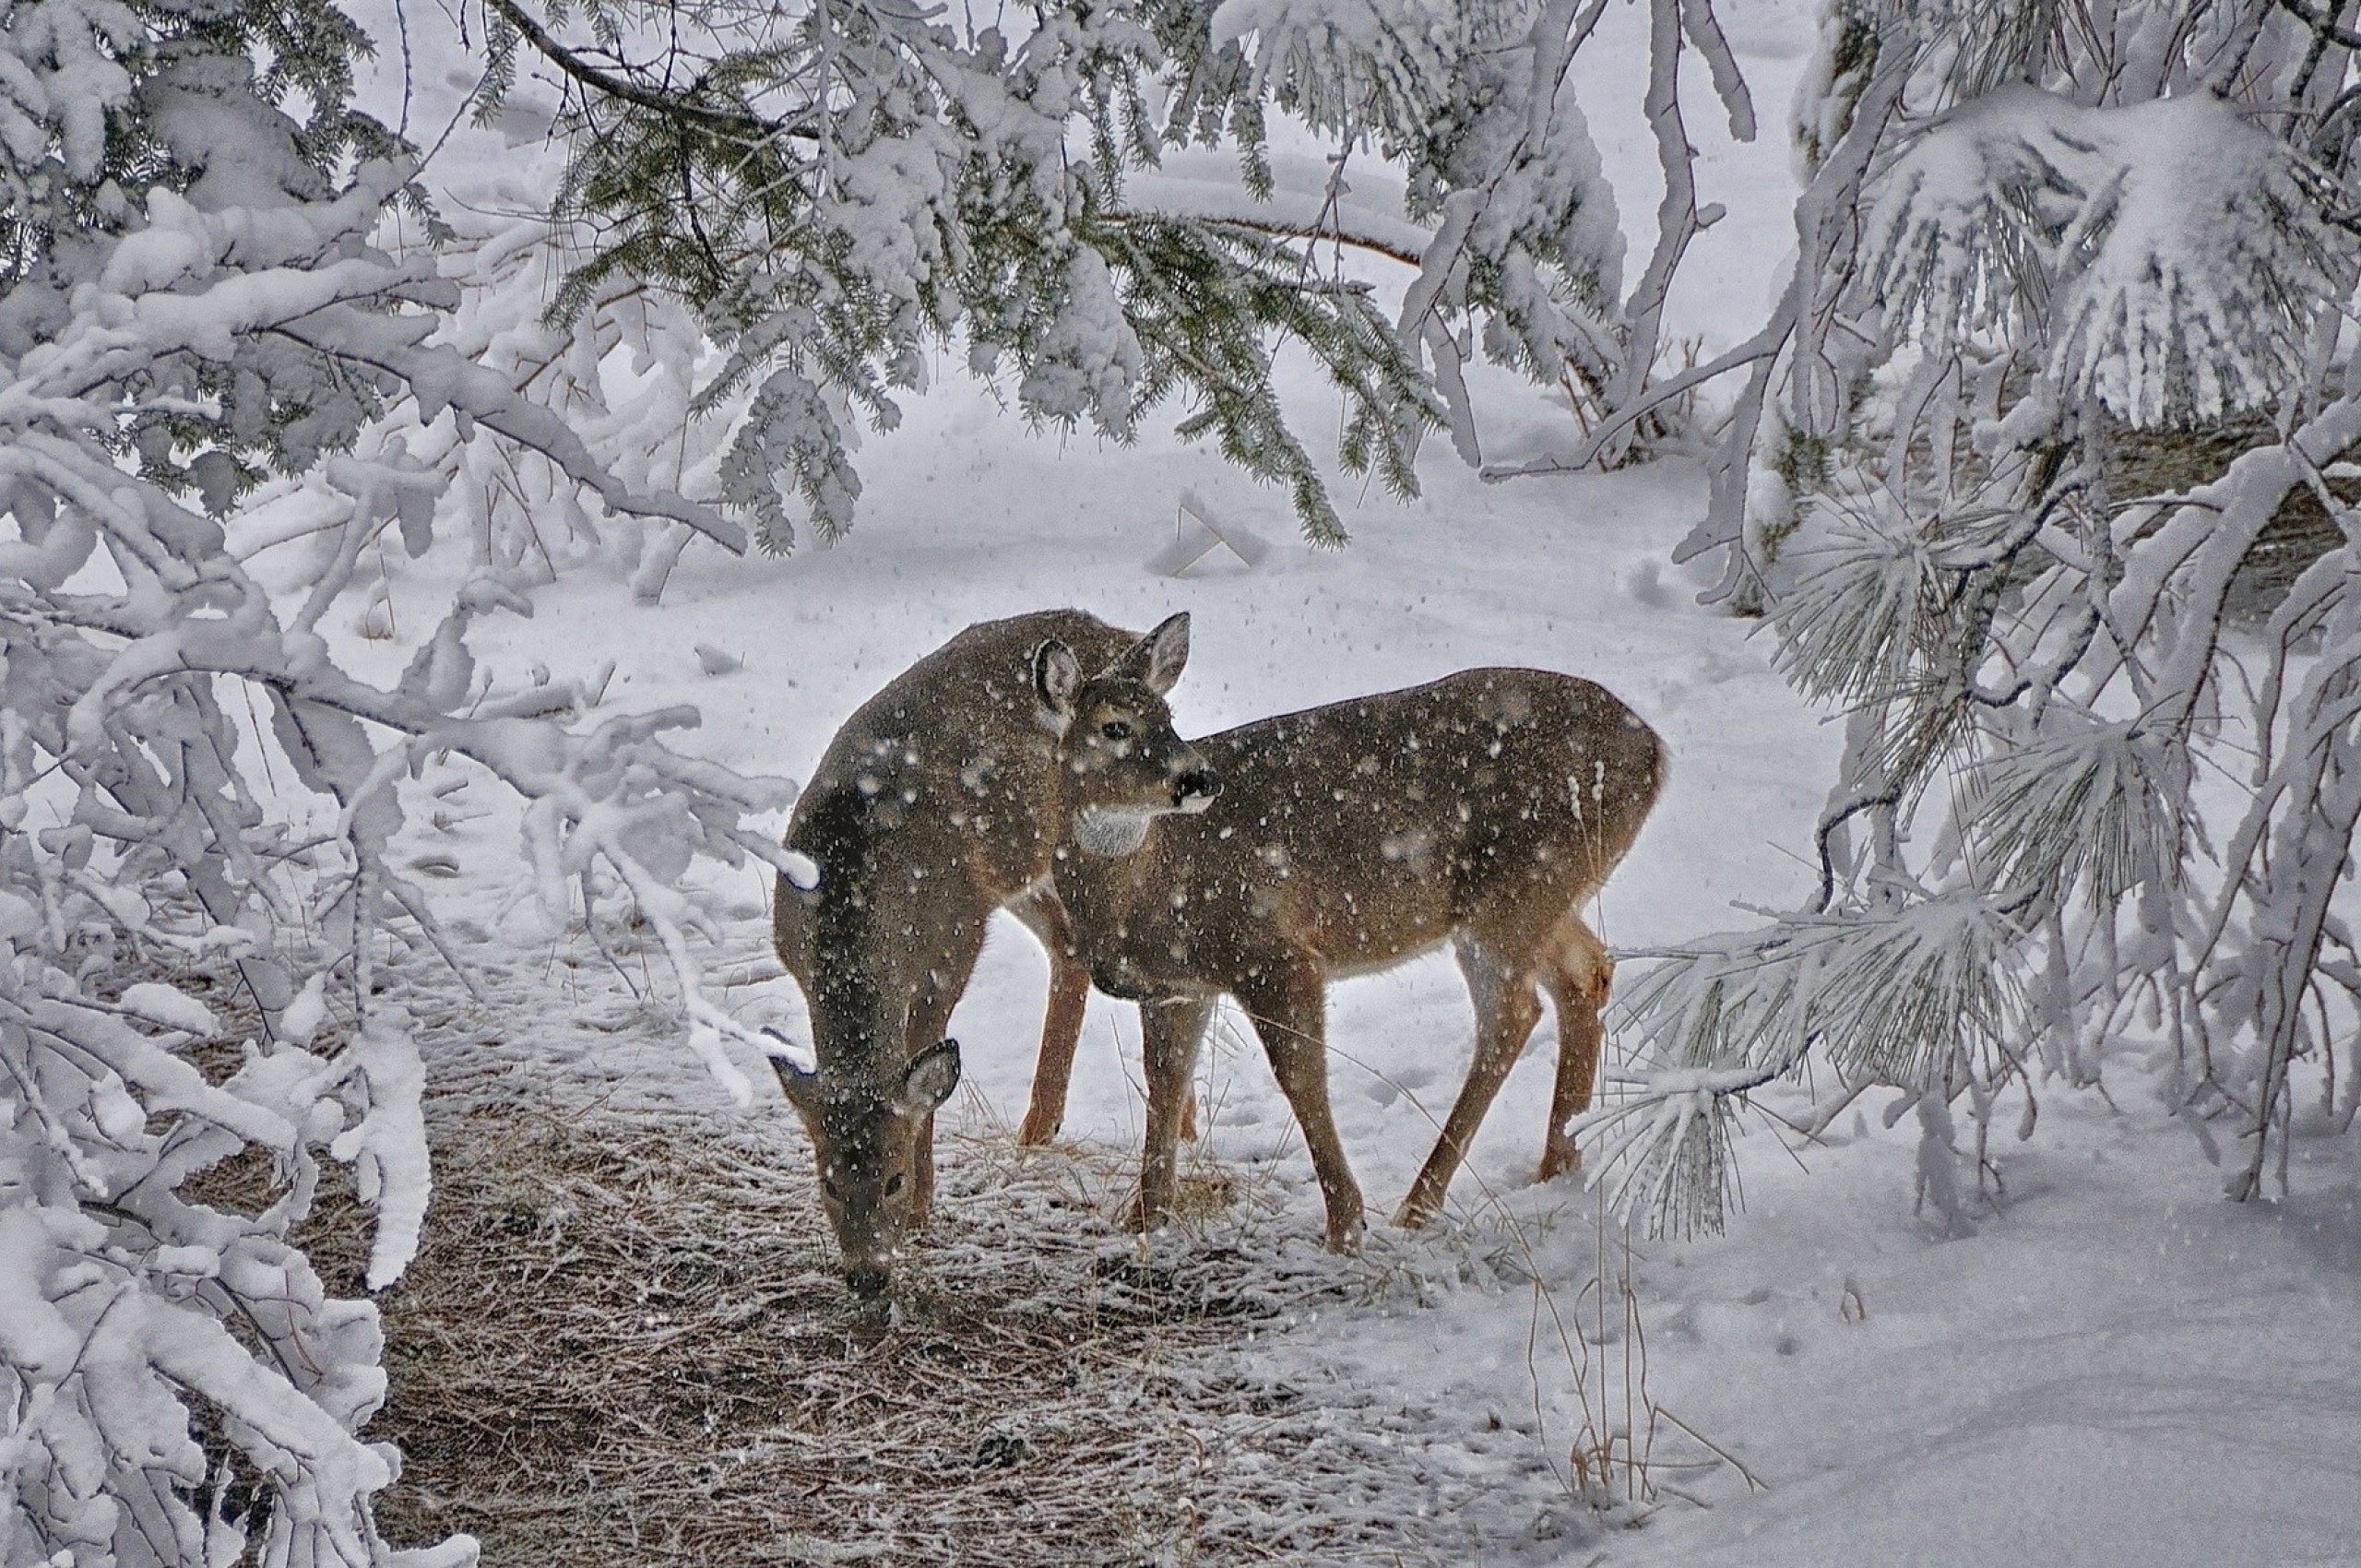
(161, 353)
(2047, 245)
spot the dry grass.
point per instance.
(624, 1343)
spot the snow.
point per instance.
(386, 1148)
(2111, 1368)
(2112, 1371)
(2171, 230)
(2106, 1363)
(169, 1006)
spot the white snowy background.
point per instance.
(2116, 1366)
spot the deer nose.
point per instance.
(1196, 790)
(866, 1283)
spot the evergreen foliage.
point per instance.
(2027, 231)
(836, 186)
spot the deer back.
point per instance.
(1358, 834)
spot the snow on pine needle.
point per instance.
(1664, 1149)
(2021, 242)
(2170, 253)
(1856, 621)
(2080, 804)
(1357, 67)
(1894, 995)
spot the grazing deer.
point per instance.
(927, 813)
(1482, 810)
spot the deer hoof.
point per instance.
(1345, 1237)
(1559, 1160)
(1037, 1131)
(1415, 1212)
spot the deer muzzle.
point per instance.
(1194, 789)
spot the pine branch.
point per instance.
(1764, 344)
(2323, 25)
(673, 105)
(1330, 229)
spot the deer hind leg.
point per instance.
(1507, 1006)
(1578, 987)
(1170, 1032)
(945, 982)
(1288, 1006)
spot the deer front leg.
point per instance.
(1045, 1112)
(1061, 1032)
(929, 1020)
(1170, 1032)
(1289, 1010)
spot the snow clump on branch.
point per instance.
(163, 351)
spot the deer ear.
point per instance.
(1056, 675)
(802, 1087)
(928, 1081)
(1157, 658)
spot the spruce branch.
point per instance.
(672, 105)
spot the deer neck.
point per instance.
(1103, 858)
(871, 926)
(1110, 834)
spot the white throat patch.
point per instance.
(1103, 832)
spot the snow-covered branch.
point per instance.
(2030, 258)
(163, 353)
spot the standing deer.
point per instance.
(1482, 810)
(927, 813)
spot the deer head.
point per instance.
(865, 1137)
(1120, 761)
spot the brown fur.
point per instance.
(1482, 810)
(926, 814)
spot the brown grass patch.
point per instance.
(624, 1342)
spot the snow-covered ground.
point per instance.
(2116, 1367)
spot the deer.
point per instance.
(927, 813)
(1482, 810)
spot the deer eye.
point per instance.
(1116, 729)
(893, 1184)
(828, 1185)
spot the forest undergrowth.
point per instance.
(625, 1341)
